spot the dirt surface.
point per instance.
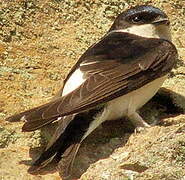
(39, 43)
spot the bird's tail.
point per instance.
(64, 144)
(65, 163)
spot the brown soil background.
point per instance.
(40, 40)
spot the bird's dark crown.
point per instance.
(146, 10)
(138, 15)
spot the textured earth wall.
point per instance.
(40, 40)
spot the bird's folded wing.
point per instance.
(118, 64)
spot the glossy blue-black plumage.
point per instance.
(144, 9)
(144, 15)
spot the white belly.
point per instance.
(126, 104)
(132, 101)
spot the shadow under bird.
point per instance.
(114, 78)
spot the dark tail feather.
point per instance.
(67, 159)
(53, 146)
(62, 124)
(65, 143)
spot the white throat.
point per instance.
(148, 31)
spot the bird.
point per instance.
(114, 78)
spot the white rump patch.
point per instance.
(75, 80)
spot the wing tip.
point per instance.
(14, 118)
(19, 117)
(25, 129)
(28, 128)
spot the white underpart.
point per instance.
(126, 105)
(148, 31)
(75, 80)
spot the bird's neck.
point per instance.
(148, 31)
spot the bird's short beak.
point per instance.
(161, 21)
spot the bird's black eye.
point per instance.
(136, 19)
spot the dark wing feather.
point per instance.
(118, 64)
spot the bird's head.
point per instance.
(146, 21)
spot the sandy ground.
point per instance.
(39, 43)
